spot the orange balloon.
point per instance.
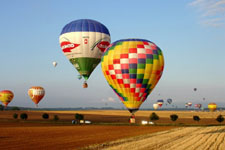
(6, 97)
(36, 93)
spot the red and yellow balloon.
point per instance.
(6, 97)
(36, 94)
(212, 107)
(132, 68)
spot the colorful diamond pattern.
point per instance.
(132, 67)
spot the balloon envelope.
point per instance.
(198, 106)
(36, 94)
(83, 43)
(212, 106)
(54, 63)
(6, 97)
(155, 106)
(169, 100)
(132, 68)
(189, 104)
(160, 102)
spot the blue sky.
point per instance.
(191, 34)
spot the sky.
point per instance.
(191, 34)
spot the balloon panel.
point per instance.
(85, 66)
(85, 25)
(160, 100)
(132, 67)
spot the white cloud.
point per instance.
(212, 12)
(109, 99)
(215, 22)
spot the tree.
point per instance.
(55, 118)
(15, 116)
(45, 116)
(79, 117)
(23, 116)
(220, 118)
(173, 117)
(154, 117)
(15, 108)
(1, 107)
(196, 118)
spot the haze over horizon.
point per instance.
(190, 33)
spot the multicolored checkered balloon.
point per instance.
(132, 67)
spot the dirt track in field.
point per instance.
(185, 138)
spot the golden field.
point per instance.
(108, 126)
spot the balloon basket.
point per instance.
(132, 119)
(85, 85)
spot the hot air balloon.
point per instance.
(212, 107)
(132, 68)
(169, 100)
(6, 97)
(54, 63)
(189, 104)
(83, 43)
(198, 106)
(160, 102)
(155, 106)
(36, 94)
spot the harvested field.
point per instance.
(185, 138)
(66, 137)
(108, 126)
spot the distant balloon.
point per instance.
(189, 104)
(169, 100)
(195, 89)
(198, 106)
(155, 106)
(83, 42)
(6, 97)
(54, 63)
(212, 107)
(203, 99)
(160, 102)
(132, 68)
(36, 94)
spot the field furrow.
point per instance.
(188, 138)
